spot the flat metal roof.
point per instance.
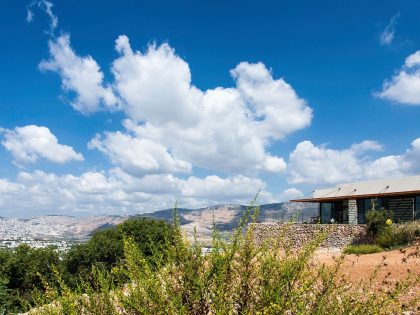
(369, 189)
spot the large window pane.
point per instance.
(338, 211)
(385, 203)
(369, 204)
(361, 213)
(417, 214)
(326, 209)
(378, 203)
(364, 205)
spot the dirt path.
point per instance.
(396, 265)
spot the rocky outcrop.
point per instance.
(297, 235)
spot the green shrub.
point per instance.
(387, 238)
(20, 271)
(398, 235)
(105, 249)
(4, 293)
(363, 249)
(376, 220)
(388, 235)
(236, 277)
(413, 229)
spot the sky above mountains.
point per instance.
(129, 107)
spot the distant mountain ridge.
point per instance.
(225, 217)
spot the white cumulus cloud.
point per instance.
(81, 75)
(309, 163)
(29, 143)
(138, 156)
(116, 192)
(223, 129)
(404, 87)
(289, 194)
(232, 187)
(155, 86)
(276, 108)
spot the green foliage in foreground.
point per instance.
(23, 269)
(19, 275)
(363, 249)
(3, 295)
(236, 277)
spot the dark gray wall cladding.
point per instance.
(339, 235)
(403, 208)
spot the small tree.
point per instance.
(4, 292)
(106, 248)
(376, 219)
(20, 279)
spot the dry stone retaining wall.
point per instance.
(339, 235)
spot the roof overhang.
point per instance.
(368, 189)
(369, 196)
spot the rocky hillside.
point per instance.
(224, 216)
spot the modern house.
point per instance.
(349, 203)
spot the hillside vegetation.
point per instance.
(235, 277)
(385, 234)
(25, 271)
(70, 230)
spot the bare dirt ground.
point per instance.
(395, 266)
(397, 262)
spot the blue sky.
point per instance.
(128, 107)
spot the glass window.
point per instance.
(364, 205)
(338, 211)
(378, 203)
(361, 213)
(326, 209)
(369, 203)
(385, 203)
(417, 208)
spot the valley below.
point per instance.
(64, 231)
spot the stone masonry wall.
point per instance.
(339, 235)
(352, 204)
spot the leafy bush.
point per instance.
(363, 249)
(105, 249)
(387, 235)
(413, 229)
(398, 235)
(236, 277)
(20, 271)
(4, 292)
(376, 220)
(21, 282)
(388, 238)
